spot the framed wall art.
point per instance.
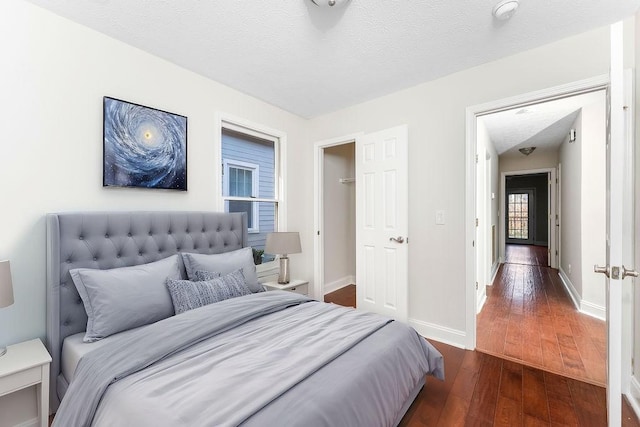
(143, 147)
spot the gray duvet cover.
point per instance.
(272, 358)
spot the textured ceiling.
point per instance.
(310, 60)
(544, 126)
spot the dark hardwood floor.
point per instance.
(529, 318)
(344, 296)
(485, 390)
(526, 254)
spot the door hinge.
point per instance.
(477, 158)
(556, 252)
(473, 243)
(407, 240)
(477, 222)
(476, 286)
(318, 232)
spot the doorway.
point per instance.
(339, 218)
(335, 266)
(527, 222)
(533, 314)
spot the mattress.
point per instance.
(73, 348)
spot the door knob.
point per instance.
(603, 270)
(398, 239)
(628, 273)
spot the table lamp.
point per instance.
(6, 291)
(283, 243)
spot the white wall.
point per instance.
(339, 217)
(583, 206)
(487, 183)
(594, 203)
(539, 159)
(54, 75)
(636, 341)
(435, 114)
(571, 209)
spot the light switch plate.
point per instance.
(439, 217)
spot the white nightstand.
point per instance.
(297, 286)
(27, 364)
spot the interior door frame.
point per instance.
(472, 113)
(552, 210)
(318, 211)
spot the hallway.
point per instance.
(529, 318)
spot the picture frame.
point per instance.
(143, 147)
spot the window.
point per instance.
(242, 180)
(252, 178)
(518, 206)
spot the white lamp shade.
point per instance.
(6, 286)
(282, 243)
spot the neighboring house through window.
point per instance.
(252, 178)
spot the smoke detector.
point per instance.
(505, 9)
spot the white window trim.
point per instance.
(255, 185)
(228, 121)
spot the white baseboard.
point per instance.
(482, 298)
(586, 307)
(573, 293)
(339, 284)
(439, 333)
(494, 272)
(34, 422)
(634, 396)
(593, 310)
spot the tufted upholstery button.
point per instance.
(226, 244)
(106, 236)
(218, 229)
(81, 237)
(129, 234)
(78, 301)
(150, 233)
(140, 253)
(178, 248)
(63, 284)
(66, 323)
(95, 258)
(118, 256)
(203, 230)
(69, 261)
(169, 232)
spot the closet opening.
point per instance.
(336, 223)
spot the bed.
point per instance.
(266, 358)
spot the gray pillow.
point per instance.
(224, 263)
(202, 275)
(187, 295)
(124, 298)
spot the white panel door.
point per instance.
(618, 247)
(382, 222)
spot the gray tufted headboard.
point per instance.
(104, 240)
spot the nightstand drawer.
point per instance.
(300, 289)
(20, 380)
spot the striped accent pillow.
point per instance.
(187, 295)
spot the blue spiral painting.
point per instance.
(144, 147)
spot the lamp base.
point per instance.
(3, 351)
(283, 277)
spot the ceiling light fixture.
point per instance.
(527, 150)
(505, 9)
(328, 3)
